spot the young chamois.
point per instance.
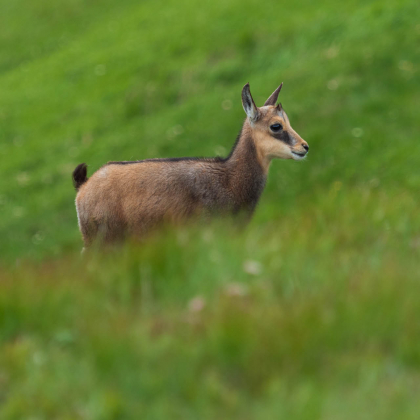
(131, 198)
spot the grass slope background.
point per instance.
(311, 312)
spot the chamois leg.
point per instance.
(89, 234)
(111, 234)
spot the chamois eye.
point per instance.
(276, 127)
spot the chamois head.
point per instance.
(271, 131)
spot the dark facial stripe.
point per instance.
(283, 136)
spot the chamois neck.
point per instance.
(246, 174)
(245, 153)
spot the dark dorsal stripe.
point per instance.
(181, 159)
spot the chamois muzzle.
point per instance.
(301, 151)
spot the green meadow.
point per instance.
(310, 312)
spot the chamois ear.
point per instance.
(273, 98)
(249, 105)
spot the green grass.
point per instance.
(311, 311)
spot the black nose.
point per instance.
(306, 147)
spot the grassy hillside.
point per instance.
(308, 313)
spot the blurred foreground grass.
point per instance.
(311, 311)
(205, 324)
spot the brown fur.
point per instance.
(131, 198)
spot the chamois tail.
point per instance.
(80, 175)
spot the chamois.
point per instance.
(130, 198)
